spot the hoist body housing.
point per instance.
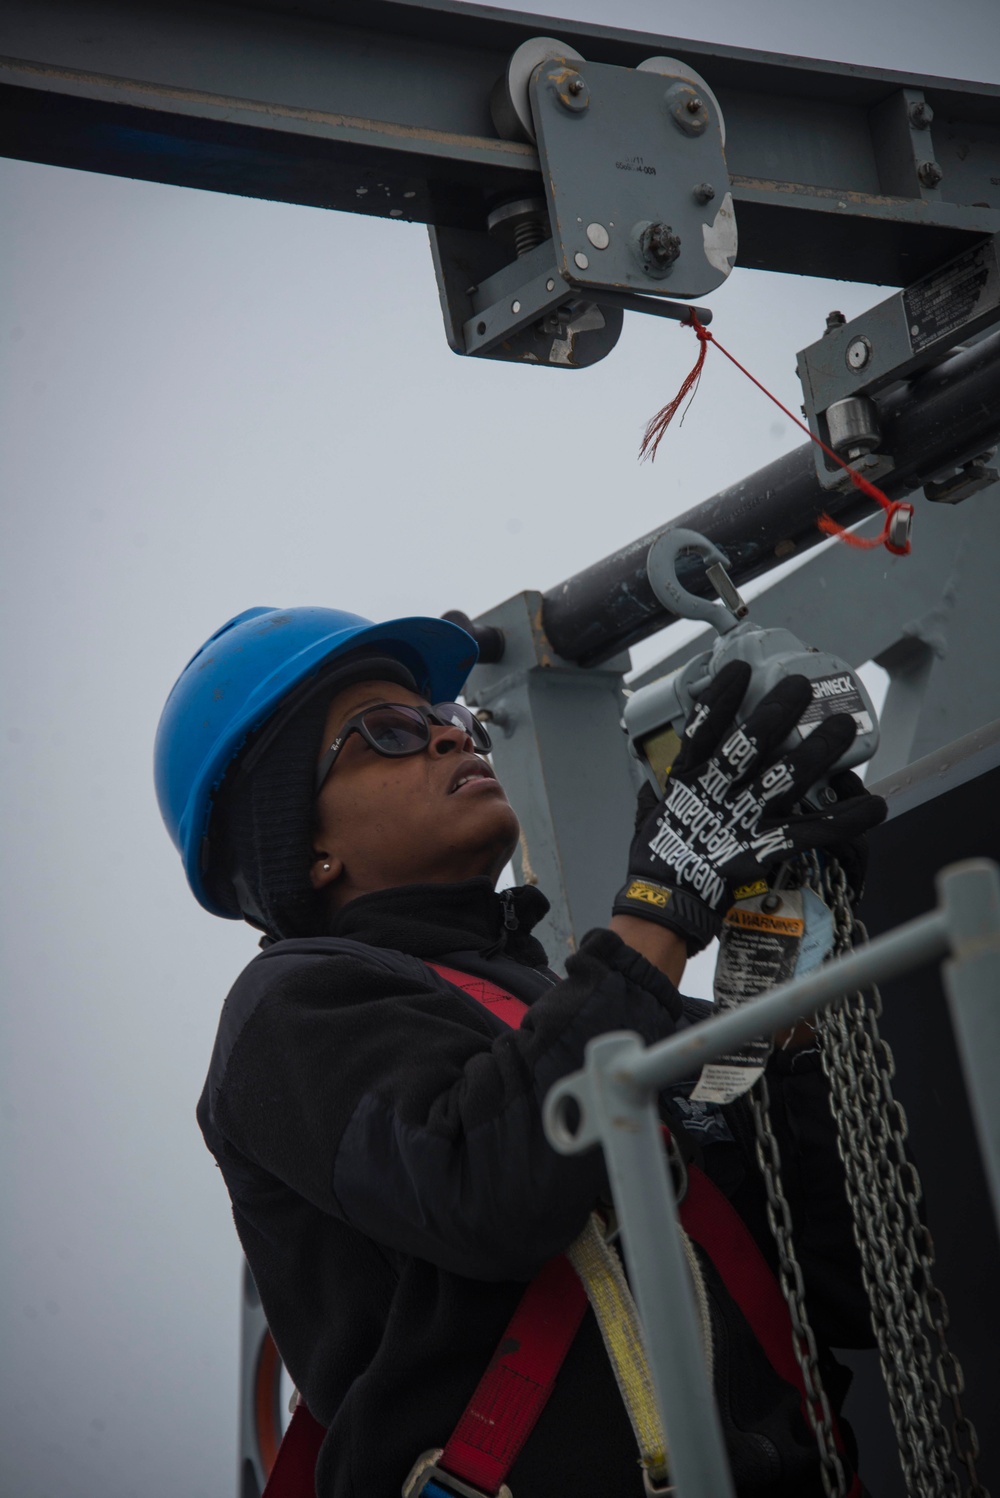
(655, 715)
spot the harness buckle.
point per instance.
(428, 1480)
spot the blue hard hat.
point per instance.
(241, 676)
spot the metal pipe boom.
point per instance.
(938, 421)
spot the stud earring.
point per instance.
(326, 867)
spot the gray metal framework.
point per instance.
(382, 107)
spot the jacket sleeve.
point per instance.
(405, 1115)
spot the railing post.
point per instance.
(625, 1120)
(970, 896)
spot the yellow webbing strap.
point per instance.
(603, 1278)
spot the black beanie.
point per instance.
(262, 832)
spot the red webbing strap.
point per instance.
(497, 1000)
(708, 1217)
(516, 1386)
(294, 1472)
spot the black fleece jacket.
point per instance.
(380, 1135)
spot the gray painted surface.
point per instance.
(384, 110)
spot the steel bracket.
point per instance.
(853, 361)
(632, 207)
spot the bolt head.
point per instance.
(859, 353)
(695, 105)
(581, 260)
(661, 244)
(930, 173)
(598, 236)
(704, 192)
(576, 85)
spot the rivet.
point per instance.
(581, 260)
(395, 213)
(550, 286)
(515, 306)
(598, 236)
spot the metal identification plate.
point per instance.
(945, 301)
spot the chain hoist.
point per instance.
(909, 1312)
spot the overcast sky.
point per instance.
(209, 403)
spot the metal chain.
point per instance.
(897, 1252)
(790, 1277)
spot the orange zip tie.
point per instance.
(658, 426)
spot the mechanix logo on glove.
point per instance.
(727, 815)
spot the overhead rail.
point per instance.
(382, 107)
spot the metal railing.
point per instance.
(613, 1102)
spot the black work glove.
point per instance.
(851, 853)
(727, 815)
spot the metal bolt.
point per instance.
(550, 285)
(598, 236)
(660, 244)
(900, 526)
(834, 320)
(570, 88)
(581, 260)
(515, 307)
(930, 173)
(859, 352)
(695, 105)
(704, 192)
(771, 903)
(921, 114)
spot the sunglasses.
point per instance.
(395, 729)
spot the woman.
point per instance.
(379, 1130)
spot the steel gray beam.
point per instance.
(561, 754)
(381, 107)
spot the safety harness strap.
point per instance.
(516, 1386)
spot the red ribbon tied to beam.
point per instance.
(658, 426)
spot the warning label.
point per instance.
(943, 302)
(758, 950)
(835, 694)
